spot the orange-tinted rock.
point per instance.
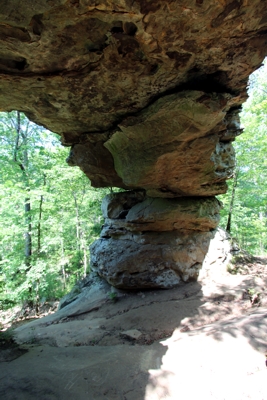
(81, 66)
(172, 149)
(121, 70)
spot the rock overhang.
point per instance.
(91, 71)
(90, 64)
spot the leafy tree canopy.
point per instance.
(49, 214)
(249, 223)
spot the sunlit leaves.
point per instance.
(249, 220)
(59, 261)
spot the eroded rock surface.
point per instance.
(156, 214)
(84, 65)
(146, 93)
(148, 242)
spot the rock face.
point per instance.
(148, 242)
(175, 138)
(146, 94)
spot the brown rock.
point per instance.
(157, 214)
(94, 160)
(80, 67)
(157, 85)
(169, 150)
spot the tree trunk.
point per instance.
(27, 234)
(78, 224)
(40, 219)
(63, 258)
(231, 208)
(23, 165)
(85, 259)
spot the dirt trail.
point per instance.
(205, 340)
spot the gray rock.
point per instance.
(140, 213)
(150, 260)
(153, 243)
(132, 334)
(69, 297)
(117, 205)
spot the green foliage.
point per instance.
(113, 296)
(249, 218)
(62, 219)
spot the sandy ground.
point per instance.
(202, 340)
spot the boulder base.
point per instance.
(150, 260)
(153, 243)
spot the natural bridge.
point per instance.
(147, 95)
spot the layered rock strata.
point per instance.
(178, 146)
(153, 242)
(145, 93)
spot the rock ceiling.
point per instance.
(168, 74)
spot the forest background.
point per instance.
(49, 213)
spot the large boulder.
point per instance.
(150, 260)
(172, 147)
(153, 243)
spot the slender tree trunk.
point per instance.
(85, 259)
(85, 262)
(40, 220)
(27, 207)
(78, 223)
(39, 225)
(27, 234)
(231, 208)
(62, 258)
(37, 302)
(23, 163)
(37, 297)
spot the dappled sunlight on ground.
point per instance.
(219, 353)
(198, 366)
(204, 340)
